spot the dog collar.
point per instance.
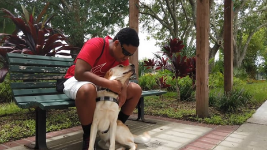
(107, 98)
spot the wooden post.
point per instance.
(133, 23)
(202, 58)
(228, 45)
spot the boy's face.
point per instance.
(123, 52)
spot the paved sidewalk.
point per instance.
(167, 134)
(251, 135)
(171, 134)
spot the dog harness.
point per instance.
(107, 98)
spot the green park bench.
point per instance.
(33, 83)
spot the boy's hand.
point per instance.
(123, 95)
(115, 86)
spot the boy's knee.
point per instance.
(138, 89)
(135, 90)
(87, 90)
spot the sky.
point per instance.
(146, 47)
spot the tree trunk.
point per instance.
(178, 92)
(212, 54)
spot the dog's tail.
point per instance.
(143, 138)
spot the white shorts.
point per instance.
(71, 87)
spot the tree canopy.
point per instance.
(177, 19)
(79, 19)
(162, 19)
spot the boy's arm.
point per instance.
(83, 73)
(123, 95)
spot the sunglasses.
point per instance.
(125, 52)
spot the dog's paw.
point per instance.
(102, 144)
(121, 148)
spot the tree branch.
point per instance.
(185, 34)
(193, 5)
(162, 8)
(155, 16)
(262, 9)
(212, 21)
(173, 16)
(248, 40)
(237, 9)
(65, 4)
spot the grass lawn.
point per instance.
(16, 123)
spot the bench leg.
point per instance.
(141, 114)
(40, 130)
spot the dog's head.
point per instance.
(120, 73)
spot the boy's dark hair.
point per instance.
(127, 36)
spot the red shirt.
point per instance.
(90, 51)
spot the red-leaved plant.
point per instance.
(182, 66)
(162, 83)
(32, 36)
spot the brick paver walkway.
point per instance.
(205, 142)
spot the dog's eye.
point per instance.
(120, 65)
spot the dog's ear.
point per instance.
(108, 74)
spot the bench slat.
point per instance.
(45, 100)
(28, 85)
(37, 69)
(47, 91)
(37, 62)
(45, 106)
(57, 105)
(23, 105)
(27, 92)
(20, 76)
(39, 98)
(60, 100)
(38, 57)
(153, 92)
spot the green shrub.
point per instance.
(214, 120)
(233, 100)
(148, 82)
(216, 80)
(240, 73)
(187, 91)
(185, 86)
(237, 82)
(213, 97)
(5, 90)
(218, 65)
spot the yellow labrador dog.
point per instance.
(106, 114)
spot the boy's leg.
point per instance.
(85, 105)
(134, 92)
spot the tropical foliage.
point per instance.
(32, 36)
(179, 64)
